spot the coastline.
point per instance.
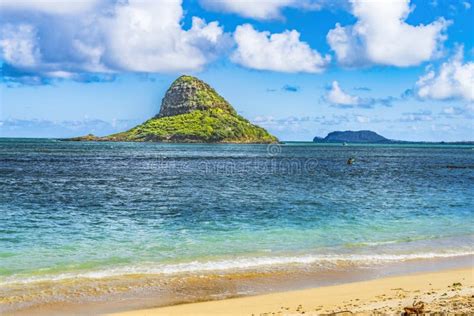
(145, 294)
(447, 290)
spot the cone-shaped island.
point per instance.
(192, 112)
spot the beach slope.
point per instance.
(444, 291)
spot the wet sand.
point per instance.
(83, 296)
(446, 291)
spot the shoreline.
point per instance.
(144, 292)
(443, 291)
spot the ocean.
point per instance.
(101, 210)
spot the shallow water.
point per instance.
(72, 209)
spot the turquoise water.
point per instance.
(99, 209)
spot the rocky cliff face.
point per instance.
(192, 112)
(188, 94)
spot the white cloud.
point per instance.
(44, 128)
(337, 96)
(381, 36)
(466, 111)
(453, 80)
(136, 35)
(147, 37)
(362, 119)
(420, 116)
(50, 6)
(283, 52)
(260, 10)
(449, 110)
(18, 45)
(263, 9)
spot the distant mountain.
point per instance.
(192, 112)
(352, 137)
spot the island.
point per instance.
(371, 137)
(192, 112)
(352, 137)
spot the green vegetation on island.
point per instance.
(206, 126)
(192, 112)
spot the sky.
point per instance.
(299, 68)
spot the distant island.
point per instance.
(352, 137)
(370, 137)
(192, 112)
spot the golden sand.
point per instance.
(445, 291)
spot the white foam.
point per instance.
(243, 263)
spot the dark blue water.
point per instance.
(76, 208)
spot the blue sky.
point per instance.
(300, 69)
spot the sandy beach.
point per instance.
(444, 291)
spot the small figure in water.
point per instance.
(350, 161)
